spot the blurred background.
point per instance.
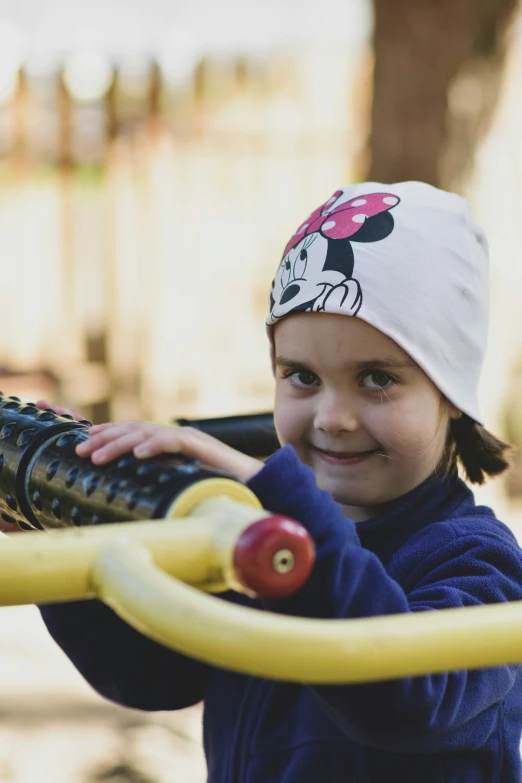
(154, 158)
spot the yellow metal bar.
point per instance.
(300, 650)
(42, 567)
(125, 566)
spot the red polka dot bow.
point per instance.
(344, 220)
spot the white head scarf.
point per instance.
(410, 260)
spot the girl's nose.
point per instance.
(334, 415)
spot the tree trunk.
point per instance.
(438, 66)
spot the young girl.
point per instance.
(377, 328)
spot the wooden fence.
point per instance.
(139, 229)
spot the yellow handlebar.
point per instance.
(287, 648)
(44, 567)
(153, 574)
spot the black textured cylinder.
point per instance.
(45, 484)
(253, 434)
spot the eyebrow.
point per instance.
(381, 363)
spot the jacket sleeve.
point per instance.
(412, 714)
(122, 664)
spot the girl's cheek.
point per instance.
(408, 434)
(281, 420)
(285, 428)
(289, 421)
(382, 424)
(392, 425)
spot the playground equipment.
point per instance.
(253, 434)
(185, 530)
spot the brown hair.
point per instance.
(477, 451)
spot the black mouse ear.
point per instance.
(374, 228)
(339, 257)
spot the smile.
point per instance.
(343, 457)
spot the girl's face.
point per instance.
(357, 410)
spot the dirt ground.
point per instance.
(54, 728)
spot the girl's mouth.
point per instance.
(343, 457)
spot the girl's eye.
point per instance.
(377, 380)
(302, 379)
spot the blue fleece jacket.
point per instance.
(433, 549)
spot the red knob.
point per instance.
(274, 557)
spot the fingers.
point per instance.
(175, 440)
(101, 427)
(99, 437)
(42, 404)
(114, 436)
(200, 446)
(109, 439)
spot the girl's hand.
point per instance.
(109, 441)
